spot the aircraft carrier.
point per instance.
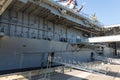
(41, 39)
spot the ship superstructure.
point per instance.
(38, 34)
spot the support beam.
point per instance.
(4, 5)
(115, 49)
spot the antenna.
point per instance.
(94, 17)
(81, 7)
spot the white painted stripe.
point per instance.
(81, 75)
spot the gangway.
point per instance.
(112, 38)
(74, 62)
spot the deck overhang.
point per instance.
(4, 4)
(49, 10)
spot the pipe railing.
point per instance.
(74, 62)
(107, 59)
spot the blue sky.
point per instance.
(107, 11)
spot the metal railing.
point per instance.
(75, 62)
(107, 59)
(80, 14)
